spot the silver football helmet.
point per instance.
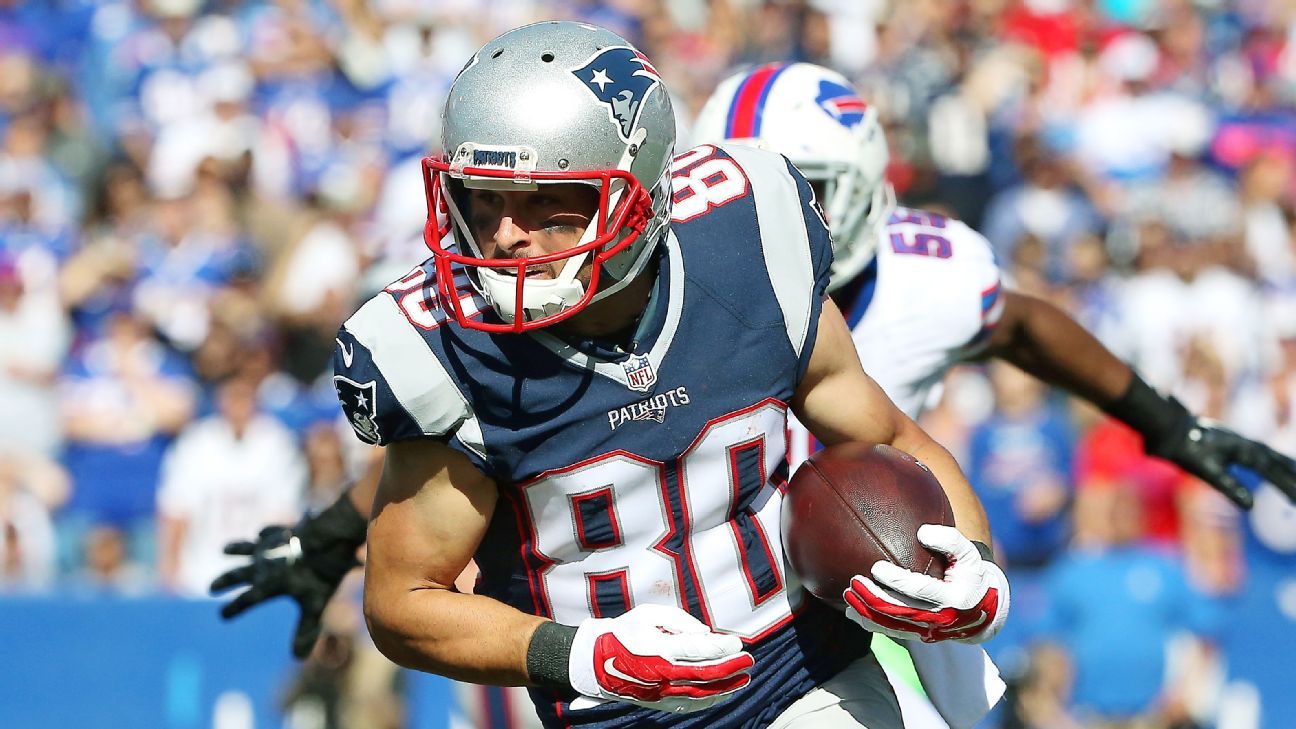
(813, 116)
(550, 103)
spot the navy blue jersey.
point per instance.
(650, 474)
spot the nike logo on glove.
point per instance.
(610, 667)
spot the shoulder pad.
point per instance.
(389, 381)
(794, 239)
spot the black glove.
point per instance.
(305, 562)
(1200, 446)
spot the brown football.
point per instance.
(853, 504)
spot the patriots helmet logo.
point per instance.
(841, 103)
(621, 78)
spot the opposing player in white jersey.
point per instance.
(922, 292)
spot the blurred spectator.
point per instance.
(18, 72)
(97, 282)
(31, 486)
(311, 286)
(1111, 454)
(326, 463)
(34, 337)
(1092, 294)
(43, 206)
(1053, 27)
(1264, 187)
(223, 131)
(122, 397)
(1212, 542)
(1204, 383)
(1044, 206)
(1127, 131)
(185, 258)
(225, 473)
(1114, 605)
(281, 391)
(106, 565)
(1266, 407)
(1019, 461)
(1180, 293)
(1196, 204)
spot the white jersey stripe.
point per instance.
(470, 434)
(417, 379)
(784, 240)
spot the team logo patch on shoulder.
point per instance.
(640, 374)
(621, 78)
(841, 103)
(358, 402)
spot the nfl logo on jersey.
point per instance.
(640, 374)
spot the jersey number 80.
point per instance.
(700, 532)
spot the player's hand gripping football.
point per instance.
(305, 562)
(659, 657)
(969, 605)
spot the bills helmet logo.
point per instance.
(621, 78)
(841, 103)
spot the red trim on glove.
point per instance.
(651, 678)
(930, 625)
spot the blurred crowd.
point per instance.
(194, 194)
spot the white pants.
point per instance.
(860, 697)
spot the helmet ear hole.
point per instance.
(547, 57)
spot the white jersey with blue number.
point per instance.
(929, 300)
(936, 297)
(653, 475)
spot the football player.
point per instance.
(922, 292)
(588, 394)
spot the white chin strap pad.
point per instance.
(539, 297)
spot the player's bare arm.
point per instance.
(971, 603)
(1044, 341)
(834, 377)
(431, 511)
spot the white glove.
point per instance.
(969, 605)
(659, 657)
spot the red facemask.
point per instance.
(631, 215)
